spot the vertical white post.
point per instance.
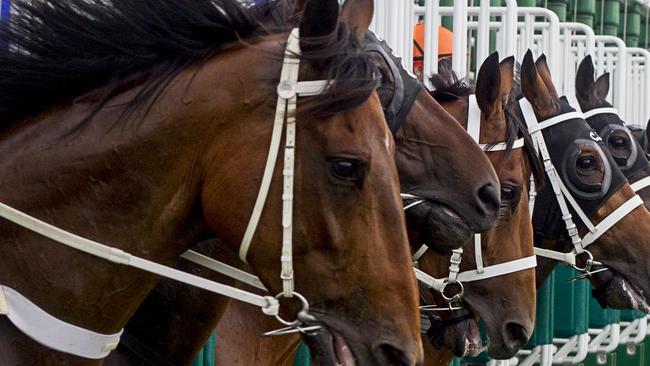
(459, 49)
(431, 25)
(511, 28)
(483, 33)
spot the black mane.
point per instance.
(61, 49)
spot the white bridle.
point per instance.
(38, 325)
(481, 272)
(573, 101)
(563, 195)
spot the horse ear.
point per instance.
(507, 67)
(357, 14)
(320, 18)
(602, 86)
(534, 88)
(545, 73)
(488, 84)
(585, 80)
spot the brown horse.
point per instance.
(630, 155)
(436, 159)
(505, 303)
(508, 329)
(592, 177)
(146, 128)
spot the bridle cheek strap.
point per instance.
(563, 195)
(288, 91)
(481, 272)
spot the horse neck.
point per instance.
(133, 184)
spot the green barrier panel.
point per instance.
(633, 27)
(559, 7)
(599, 317)
(624, 358)
(571, 312)
(592, 360)
(207, 355)
(611, 19)
(448, 21)
(543, 333)
(586, 12)
(302, 358)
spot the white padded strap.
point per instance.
(4, 307)
(573, 102)
(473, 118)
(434, 283)
(454, 264)
(568, 258)
(555, 120)
(499, 269)
(420, 252)
(597, 111)
(224, 269)
(478, 253)
(269, 305)
(612, 219)
(502, 146)
(54, 333)
(640, 184)
(551, 173)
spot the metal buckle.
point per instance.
(452, 301)
(295, 326)
(586, 271)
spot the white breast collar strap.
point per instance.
(563, 195)
(54, 333)
(640, 184)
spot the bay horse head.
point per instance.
(489, 270)
(151, 130)
(587, 194)
(406, 105)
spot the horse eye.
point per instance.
(348, 170)
(618, 142)
(507, 193)
(586, 163)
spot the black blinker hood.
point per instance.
(605, 124)
(564, 141)
(407, 87)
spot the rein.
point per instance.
(564, 197)
(47, 330)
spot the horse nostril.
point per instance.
(489, 198)
(516, 336)
(393, 355)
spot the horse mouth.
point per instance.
(613, 290)
(459, 335)
(468, 342)
(328, 347)
(440, 226)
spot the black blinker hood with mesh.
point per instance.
(564, 141)
(604, 125)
